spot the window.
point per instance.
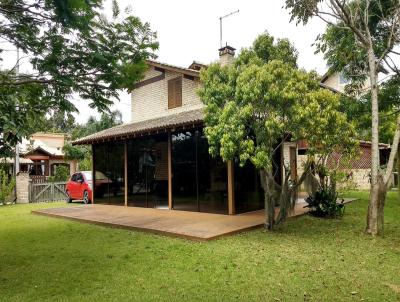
(73, 178)
(79, 177)
(175, 93)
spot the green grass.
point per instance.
(309, 259)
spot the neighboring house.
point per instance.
(356, 170)
(160, 159)
(42, 153)
(336, 82)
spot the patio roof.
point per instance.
(157, 125)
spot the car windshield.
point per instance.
(99, 175)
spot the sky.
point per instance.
(189, 30)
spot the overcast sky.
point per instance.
(189, 30)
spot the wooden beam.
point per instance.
(231, 190)
(126, 172)
(149, 81)
(170, 206)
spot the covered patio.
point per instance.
(183, 224)
(165, 163)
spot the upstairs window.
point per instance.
(175, 93)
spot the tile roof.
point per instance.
(193, 117)
(188, 71)
(10, 160)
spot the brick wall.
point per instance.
(357, 178)
(151, 101)
(22, 183)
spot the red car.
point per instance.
(79, 187)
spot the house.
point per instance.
(356, 171)
(334, 81)
(160, 159)
(42, 153)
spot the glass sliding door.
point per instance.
(212, 180)
(109, 173)
(249, 195)
(184, 166)
(148, 172)
(199, 182)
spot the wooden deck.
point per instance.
(190, 225)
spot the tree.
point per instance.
(82, 153)
(257, 103)
(74, 51)
(360, 41)
(7, 185)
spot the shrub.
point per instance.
(7, 185)
(323, 203)
(61, 174)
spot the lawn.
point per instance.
(309, 259)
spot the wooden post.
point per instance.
(126, 172)
(231, 190)
(93, 175)
(169, 171)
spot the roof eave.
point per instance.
(182, 70)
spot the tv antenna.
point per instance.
(220, 25)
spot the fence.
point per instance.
(47, 192)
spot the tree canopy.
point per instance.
(362, 41)
(75, 51)
(257, 103)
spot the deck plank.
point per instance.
(189, 225)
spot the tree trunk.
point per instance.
(268, 185)
(398, 173)
(381, 204)
(373, 207)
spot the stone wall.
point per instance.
(151, 101)
(22, 183)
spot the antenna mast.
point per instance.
(220, 25)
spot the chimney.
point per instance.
(226, 55)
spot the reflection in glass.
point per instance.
(199, 182)
(148, 172)
(109, 176)
(249, 195)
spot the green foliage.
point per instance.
(7, 185)
(265, 49)
(323, 203)
(252, 108)
(74, 152)
(85, 164)
(346, 52)
(74, 51)
(257, 103)
(61, 174)
(83, 153)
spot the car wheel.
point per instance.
(86, 197)
(69, 199)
